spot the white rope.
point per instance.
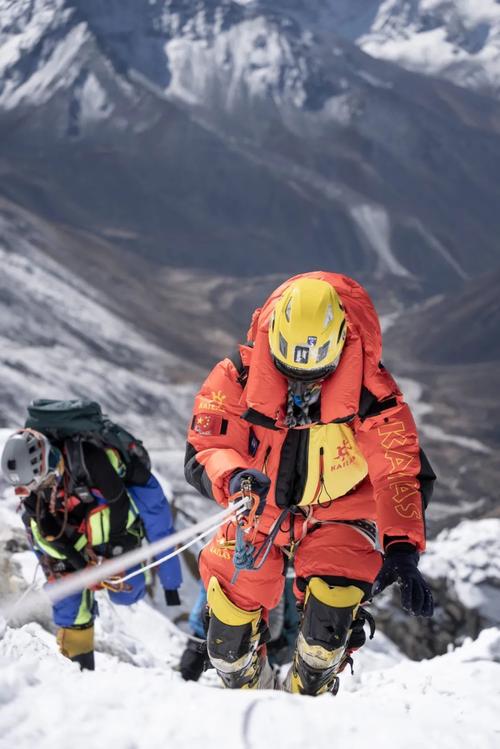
(78, 581)
(168, 556)
(192, 637)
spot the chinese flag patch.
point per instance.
(208, 425)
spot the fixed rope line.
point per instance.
(172, 554)
(78, 581)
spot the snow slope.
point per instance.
(448, 702)
(58, 340)
(467, 557)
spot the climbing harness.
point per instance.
(246, 555)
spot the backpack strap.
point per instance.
(79, 477)
(237, 360)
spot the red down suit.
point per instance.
(358, 464)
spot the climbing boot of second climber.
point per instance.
(77, 644)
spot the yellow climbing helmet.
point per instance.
(307, 330)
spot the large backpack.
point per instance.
(73, 422)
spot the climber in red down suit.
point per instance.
(307, 416)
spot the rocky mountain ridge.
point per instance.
(184, 130)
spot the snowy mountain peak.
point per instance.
(38, 40)
(271, 49)
(458, 40)
(293, 111)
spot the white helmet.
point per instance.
(29, 459)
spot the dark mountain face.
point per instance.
(461, 328)
(451, 346)
(247, 139)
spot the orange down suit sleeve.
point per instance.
(217, 437)
(399, 472)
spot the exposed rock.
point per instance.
(463, 567)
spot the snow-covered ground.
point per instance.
(447, 702)
(468, 558)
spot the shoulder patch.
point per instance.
(209, 425)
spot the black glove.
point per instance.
(400, 567)
(260, 486)
(172, 598)
(193, 660)
(120, 544)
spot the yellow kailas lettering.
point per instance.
(393, 434)
(209, 406)
(409, 511)
(402, 492)
(399, 461)
(215, 403)
(220, 552)
(400, 479)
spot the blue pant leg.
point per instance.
(137, 590)
(77, 610)
(196, 615)
(155, 513)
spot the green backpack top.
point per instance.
(70, 423)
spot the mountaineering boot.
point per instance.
(193, 660)
(357, 637)
(321, 645)
(77, 644)
(233, 640)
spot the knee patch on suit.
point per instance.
(231, 630)
(233, 638)
(326, 626)
(328, 613)
(77, 644)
